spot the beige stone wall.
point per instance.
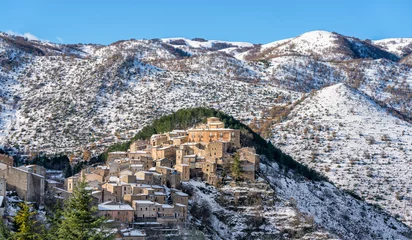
(125, 216)
(143, 210)
(3, 183)
(177, 198)
(158, 139)
(211, 135)
(29, 187)
(209, 168)
(164, 152)
(146, 176)
(184, 171)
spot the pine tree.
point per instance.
(79, 218)
(5, 233)
(26, 224)
(236, 168)
(68, 171)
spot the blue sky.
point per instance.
(257, 21)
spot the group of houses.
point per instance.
(143, 186)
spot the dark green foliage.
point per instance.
(80, 220)
(26, 224)
(4, 231)
(78, 167)
(236, 168)
(186, 118)
(57, 162)
(68, 172)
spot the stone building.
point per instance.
(29, 185)
(116, 211)
(214, 131)
(137, 146)
(145, 209)
(179, 197)
(158, 139)
(159, 152)
(71, 183)
(112, 156)
(184, 171)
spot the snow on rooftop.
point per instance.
(131, 232)
(143, 202)
(182, 194)
(110, 206)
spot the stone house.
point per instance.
(164, 162)
(116, 155)
(179, 197)
(158, 139)
(184, 171)
(137, 146)
(148, 194)
(159, 152)
(180, 211)
(145, 209)
(116, 211)
(249, 162)
(144, 177)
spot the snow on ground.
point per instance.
(205, 43)
(355, 143)
(398, 46)
(335, 210)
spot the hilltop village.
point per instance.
(141, 189)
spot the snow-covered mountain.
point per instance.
(399, 46)
(66, 97)
(356, 143)
(322, 45)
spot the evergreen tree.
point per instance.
(79, 218)
(68, 171)
(5, 233)
(26, 224)
(236, 168)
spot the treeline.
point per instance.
(186, 118)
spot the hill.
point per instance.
(356, 143)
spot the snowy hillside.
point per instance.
(322, 45)
(287, 207)
(399, 46)
(355, 143)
